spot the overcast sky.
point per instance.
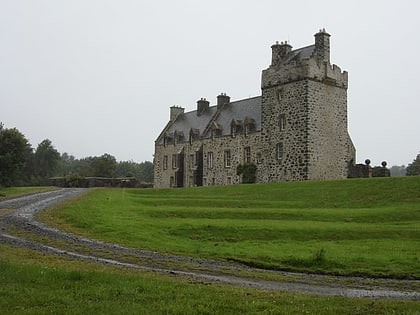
(99, 77)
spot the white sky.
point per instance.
(98, 76)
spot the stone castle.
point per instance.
(296, 130)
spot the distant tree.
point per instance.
(46, 159)
(414, 167)
(14, 150)
(146, 172)
(143, 172)
(67, 164)
(398, 170)
(104, 165)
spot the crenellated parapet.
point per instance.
(311, 68)
(311, 62)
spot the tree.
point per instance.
(104, 166)
(248, 172)
(414, 168)
(46, 159)
(397, 170)
(13, 154)
(146, 172)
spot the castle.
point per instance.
(296, 129)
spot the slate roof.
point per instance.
(299, 54)
(239, 110)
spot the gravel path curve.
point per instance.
(29, 233)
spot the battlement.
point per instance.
(311, 62)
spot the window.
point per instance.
(210, 160)
(259, 158)
(279, 94)
(174, 161)
(192, 161)
(279, 151)
(229, 180)
(247, 155)
(282, 122)
(227, 158)
(165, 162)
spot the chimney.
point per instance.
(222, 99)
(279, 51)
(322, 45)
(202, 106)
(175, 112)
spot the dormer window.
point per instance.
(249, 125)
(178, 136)
(194, 134)
(235, 127)
(216, 130)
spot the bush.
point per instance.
(247, 171)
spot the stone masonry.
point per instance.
(296, 130)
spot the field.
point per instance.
(34, 283)
(351, 227)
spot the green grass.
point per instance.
(362, 226)
(36, 283)
(9, 192)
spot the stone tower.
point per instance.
(304, 115)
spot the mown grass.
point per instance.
(363, 226)
(36, 283)
(9, 192)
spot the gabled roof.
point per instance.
(238, 110)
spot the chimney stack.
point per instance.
(202, 106)
(322, 45)
(222, 99)
(175, 112)
(279, 51)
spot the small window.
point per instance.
(282, 122)
(229, 180)
(279, 151)
(210, 160)
(192, 161)
(174, 161)
(247, 155)
(227, 158)
(165, 162)
(259, 158)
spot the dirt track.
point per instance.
(20, 228)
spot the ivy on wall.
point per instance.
(248, 172)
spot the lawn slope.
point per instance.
(361, 226)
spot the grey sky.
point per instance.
(99, 76)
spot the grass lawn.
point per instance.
(9, 192)
(36, 283)
(361, 226)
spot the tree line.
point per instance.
(22, 165)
